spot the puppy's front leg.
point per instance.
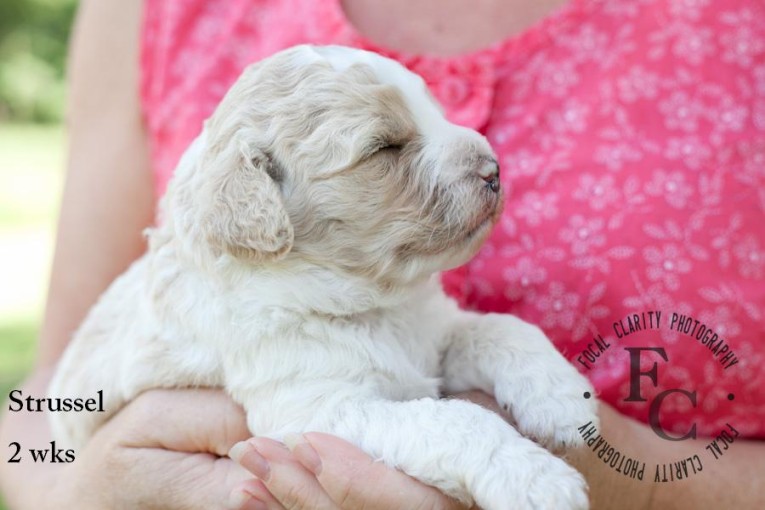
(462, 449)
(514, 360)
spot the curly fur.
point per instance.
(295, 267)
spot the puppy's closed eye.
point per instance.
(384, 147)
(391, 146)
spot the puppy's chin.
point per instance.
(468, 244)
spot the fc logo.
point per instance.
(655, 406)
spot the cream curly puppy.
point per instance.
(295, 265)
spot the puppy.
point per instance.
(295, 267)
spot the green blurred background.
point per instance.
(33, 45)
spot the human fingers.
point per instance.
(184, 420)
(165, 451)
(253, 493)
(345, 478)
(289, 483)
(354, 480)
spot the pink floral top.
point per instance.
(632, 136)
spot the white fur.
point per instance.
(312, 298)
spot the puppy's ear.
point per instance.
(246, 216)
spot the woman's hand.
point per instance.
(167, 449)
(320, 471)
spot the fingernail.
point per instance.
(245, 454)
(237, 451)
(237, 499)
(304, 452)
(243, 500)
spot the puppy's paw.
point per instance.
(533, 480)
(550, 406)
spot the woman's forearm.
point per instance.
(108, 197)
(734, 480)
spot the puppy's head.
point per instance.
(339, 158)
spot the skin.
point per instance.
(177, 458)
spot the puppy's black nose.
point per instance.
(489, 172)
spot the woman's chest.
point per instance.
(443, 27)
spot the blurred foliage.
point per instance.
(17, 352)
(31, 158)
(34, 35)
